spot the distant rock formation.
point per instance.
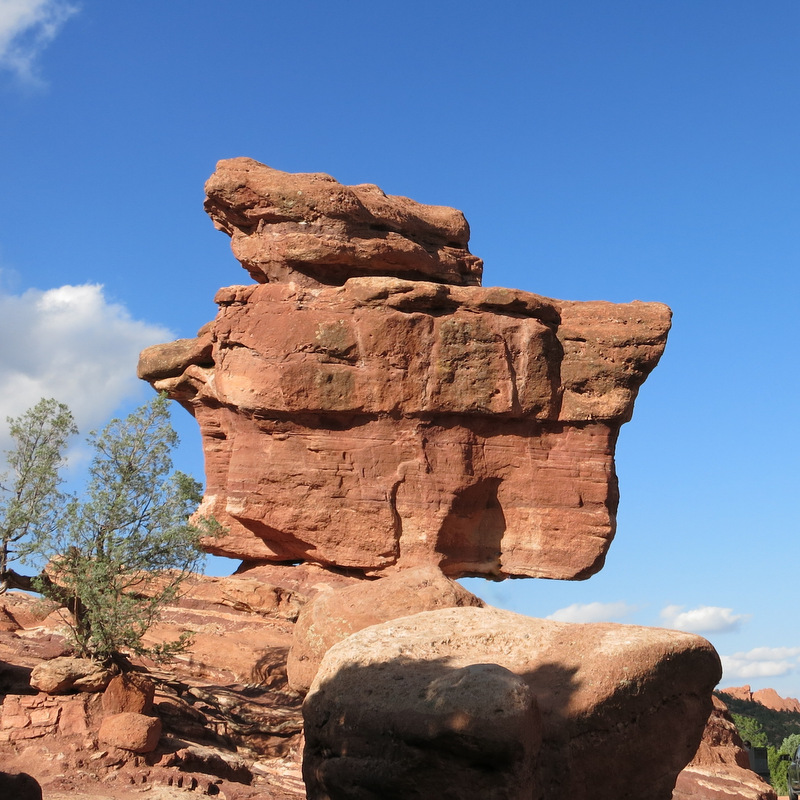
(367, 405)
(768, 698)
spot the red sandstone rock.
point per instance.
(739, 692)
(67, 674)
(614, 700)
(720, 769)
(308, 228)
(203, 704)
(131, 692)
(7, 620)
(389, 423)
(766, 697)
(334, 615)
(302, 581)
(31, 717)
(771, 699)
(129, 731)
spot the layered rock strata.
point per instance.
(367, 405)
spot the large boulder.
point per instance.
(333, 615)
(368, 407)
(131, 692)
(622, 708)
(310, 229)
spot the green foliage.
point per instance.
(31, 504)
(790, 744)
(750, 730)
(777, 767)
(121, 550)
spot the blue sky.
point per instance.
(616, 150)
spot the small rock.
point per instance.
(131, 692)
(65, 674)
(136, 733)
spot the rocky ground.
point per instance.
(229, 719)
(232, 727)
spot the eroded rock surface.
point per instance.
(615, 702)
(768, 698)
(368, 406)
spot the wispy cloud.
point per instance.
(70, 343)
(26, 28)
(761, 662)
(593, 612)
(703, 619)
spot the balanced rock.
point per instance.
(611, 698)
(368, 406)
(333, 615)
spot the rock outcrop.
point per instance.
(368, 406)
(309, 229)
(230, 725)
(720, 769)
(612, 700)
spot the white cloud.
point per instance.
(761, 662)
(593, 612)
(703, 619)
(70, 343)
(26, 28)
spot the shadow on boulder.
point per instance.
(19, 786)
(480, 703)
